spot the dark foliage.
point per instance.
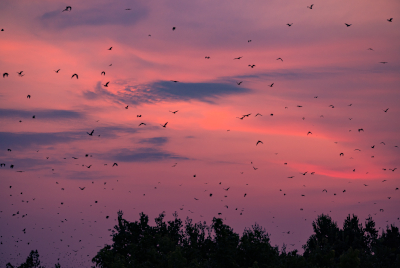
(175, 244)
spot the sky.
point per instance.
(322, 97)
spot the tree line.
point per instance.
(178, 244)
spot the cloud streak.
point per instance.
(42, 114)
(106, 14)
(145, 155)
(167, 91)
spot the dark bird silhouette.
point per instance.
(360, 129)
(331, 106)
(258, 114)
(245, 195)
(382, 143)
(373, 146)
(139, 115)
(248, 41)
(390, 20)
(33, 116)
(82, 188)
(291, 177)
(106, 84)
(165, 125)
(57, 70)
(207, 57)
(91, 133)
(67, 8)
(299, 107)
(126, 107)
(174, 112)
(370, 49)
(173, 28)
(5, 75)
(103, 73)
(289, 24)
(271, 85)
(226, 188)
(310, 7)
(141, 124)
(304, 173)
(239, 83)
(20, 73)
(110, 48)
(309, 132)
(89, 166)
(279, 59)
(383, 62)
(174, 81)
(238, 58)
(259, 142)
(9, 150)
(348, 25)
(115, 164)
(28, 97)
(252, 66)
(75, 76)
(341, 154)
(386, 110)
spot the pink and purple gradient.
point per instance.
(324, 64)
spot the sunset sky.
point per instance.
(328, 85)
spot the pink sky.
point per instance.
(321, 57)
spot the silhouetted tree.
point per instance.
(321, 246)
(197, 245)
(32, 261)
(387, 248)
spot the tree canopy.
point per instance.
(178, 244)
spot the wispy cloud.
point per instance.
(167, 91)
(43, 114)
(155, 141)
(144, 155)
(27, 139)
(94, 16)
